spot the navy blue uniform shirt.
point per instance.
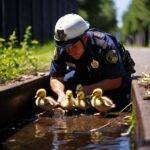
(100, 60)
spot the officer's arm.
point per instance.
(57, 71)
(57, 86)
(106, 85)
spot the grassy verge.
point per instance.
(16, 62)
(23, 58)
(44, 55)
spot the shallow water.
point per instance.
(71, 132)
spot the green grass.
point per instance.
(44, 55)
(22, 58)
(15, 62)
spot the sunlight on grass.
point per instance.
(44, 55)
(23, 58)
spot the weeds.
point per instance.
(17, 58)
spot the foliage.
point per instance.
(27, 41)
(136, 18)
(12, 40)
(14, 60)
(2, 43)
(100, 13)
(44, 55)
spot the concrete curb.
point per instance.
(142, 117)
(18, 99)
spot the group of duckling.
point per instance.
(82, 102)
(145, 81)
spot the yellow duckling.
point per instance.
(81, 98)
(146, 95)
(145, 75)
(79, 88)
(81, 101)
(99, 102)
(68, 103)
(45, 102)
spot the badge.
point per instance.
(61, 35)
(94, 64)
(112, 57)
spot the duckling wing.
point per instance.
(44, 104)
(96, 102)
(82, 104)
(98, 105)
(39, 102)
(51, 101)
(108, 102)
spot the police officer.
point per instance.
(89, 57)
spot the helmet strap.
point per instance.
(83, 43)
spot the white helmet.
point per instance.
(69, 29)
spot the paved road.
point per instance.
(141, 57)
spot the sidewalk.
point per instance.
(141, 57)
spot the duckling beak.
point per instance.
(35, 96)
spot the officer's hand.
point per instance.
(61, 98)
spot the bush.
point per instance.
(17, 60)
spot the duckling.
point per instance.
(45, 102)
(144, 80)
(79, 88)
(81, 101)
(145, 75)
(146, 95)
(97, 93)
(101, 103)
(68, 103)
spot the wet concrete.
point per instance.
(68, 132)
(71, 132)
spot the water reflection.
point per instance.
(70, 133)
(40, 131)
(96, 137)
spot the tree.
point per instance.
(137, 19)
(100, 13)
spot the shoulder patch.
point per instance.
(99, 34)
(102, 43)
(112, 56)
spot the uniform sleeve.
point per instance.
(103, 40)
(112, 65)
(57, 67)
